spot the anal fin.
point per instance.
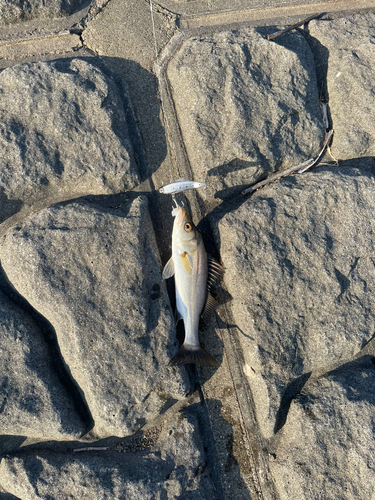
(210, 306)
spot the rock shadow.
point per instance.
(142, 112)
(321, 57)
(148, 137)
(225, 470)
(319, 51)
(352, 376)
(132, 455)
(209, 225)
(8, 206)
(10, 443)
(357, 378)
(144, 138)
(8, 496)
(291, 392)
(365, 164)
(233, 166)
(135, 467)
(58, 363)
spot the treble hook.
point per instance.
(175, 202)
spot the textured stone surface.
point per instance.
(327, 445)
(174, 468)
(96, 276)
(246, 106)
(13, 11)
(63, 133)
(345, 52)
(33, 401)
(299, 266)
(298, 255)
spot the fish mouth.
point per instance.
(180, 213)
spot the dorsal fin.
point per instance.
(215, 272)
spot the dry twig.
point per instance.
(293, 27)
(92, 448)
(279, 175)
(302, 167)
(327, 139)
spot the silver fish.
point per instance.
(181, 185)
(194, 273)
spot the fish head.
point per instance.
(184, 229)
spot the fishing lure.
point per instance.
(181, 185)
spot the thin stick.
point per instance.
(92, 448)
(302, 167)
(324, 110)
(327, 138)
(277, 176)
(290, 28)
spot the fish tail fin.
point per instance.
(192, 354)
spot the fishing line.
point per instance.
(170, 149)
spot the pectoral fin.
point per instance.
(168, 270)
(186, 262)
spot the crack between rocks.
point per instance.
(302, 384)
(77, 28)
(256, 445)
(141, 441)
(259, 463)
(4, 495)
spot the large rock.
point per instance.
(63, 133)
(95, 274)
(327, 445)
(299, 266)
(13, 11)
(174, 468)
(346, 60)
(246, 106)
(33, 400)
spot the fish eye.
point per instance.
(187, 227)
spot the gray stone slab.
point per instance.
(327, 446)
(246, 106)
(210, 12)
(33, 400)
(25, 49)
(96, 276)
(299, 266)
(174, 468)
(63, 133)
(346, 60)
(15, 11)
